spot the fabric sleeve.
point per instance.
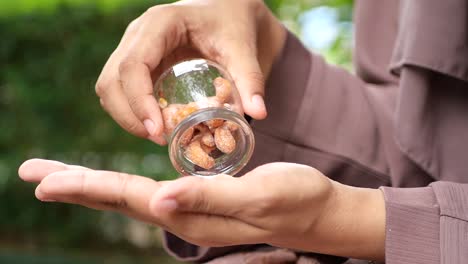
(427, 225)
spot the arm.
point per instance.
(364, 154)
(304, 91)
(295, 206)
(341, 83)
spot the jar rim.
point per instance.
(233, 164)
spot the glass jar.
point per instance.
(203, 119)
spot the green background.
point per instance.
(51, 53)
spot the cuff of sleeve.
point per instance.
(412, 225)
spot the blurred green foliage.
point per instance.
(51, 52)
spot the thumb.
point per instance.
(217, 195)
(242, 63)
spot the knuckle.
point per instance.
(132, 26)
(133, 126)
(126, 64)
(168, 13)
(265, 205)
(256, 78)
(102, 103)
(157, 11)
(198, 203)
(124, 180)
(135, 101)
(152, 10)
(101, 87)
(84, 180)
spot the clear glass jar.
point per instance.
(203, 119)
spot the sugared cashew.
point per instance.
(231, 125)
(173, 114)
(208, 139)
(187, 136)
(202, 128)
(224, 140)
(169, 115)
(223, 89)
(214, 123)
(195, 153)
(185, 111)
(206, 136)
(207, 149)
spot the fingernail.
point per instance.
(168, 205)
(150, 127)
(258, 101)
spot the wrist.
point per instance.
(352, 223)
(368, 228)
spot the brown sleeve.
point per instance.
(427, 225)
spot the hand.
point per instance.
(242, 35)
(283, 204)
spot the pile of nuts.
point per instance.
(202, 140)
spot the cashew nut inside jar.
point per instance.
(203, 119)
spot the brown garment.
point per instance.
(401, 121)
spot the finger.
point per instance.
(137, 85)
(83, 201)
(109, 89)
(119, 191)
(148, 48)
(116, 104)
(34, 170)
(242, 64)
(219, 195)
